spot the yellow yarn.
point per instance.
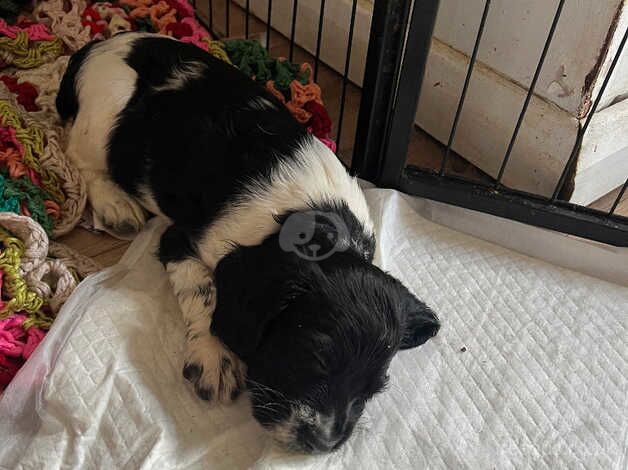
(26, 54)
(38, 319)
(217, 49)
(32, 139)
(21, 298)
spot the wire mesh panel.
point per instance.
(412, 160)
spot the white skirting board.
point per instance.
(545, 139)
(603, 162)
(594, 180)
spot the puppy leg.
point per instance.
(216, 373)
(87, 148)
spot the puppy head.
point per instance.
(317, 337)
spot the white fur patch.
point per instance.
(105, 83)
(183, 74)
(187, 276)
(315, 175)
(115, 209)
(194, 287)
(285, 433)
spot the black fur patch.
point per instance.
(316, 332)
(205, 292)
(175, 245)
(204, 393)
(195, 146)
(192, 372)
(225, 365)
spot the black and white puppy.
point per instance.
(271, 245)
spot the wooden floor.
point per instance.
(423, 151)
(101, 247)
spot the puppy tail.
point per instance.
(67, 98)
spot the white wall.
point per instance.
(515, 33)
(585, 42)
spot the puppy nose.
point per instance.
(315, 440)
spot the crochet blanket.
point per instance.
(41, 194)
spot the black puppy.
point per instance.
(271, 244)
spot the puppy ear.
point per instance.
(249, 284)
(419, 322)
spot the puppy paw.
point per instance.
(215, 372)
(116, 210)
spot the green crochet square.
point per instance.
(14, 191)
(253, 59)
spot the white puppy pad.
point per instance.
(530, 370)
